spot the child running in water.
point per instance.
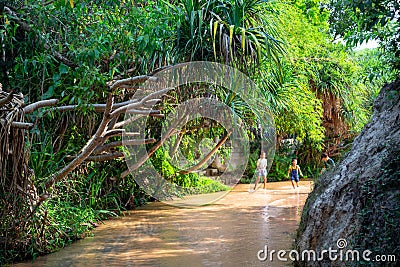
(294, 172)
(261, 170)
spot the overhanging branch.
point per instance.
(207, 157)
(105, 157)
(132, 81)
(7, 99)
(119, 143)
(22, 125)
(40, 104)
(96, 140)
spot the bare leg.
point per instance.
(258, 179)
(265, 182)
(297, 183)
(292, 183)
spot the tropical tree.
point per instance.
(319, 99)
(360, 21)
(237, 32)
(240, 33)
(74, 52)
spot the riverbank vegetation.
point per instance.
(319, 90)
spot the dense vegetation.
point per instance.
(319, 91)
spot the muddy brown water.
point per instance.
(229, 232)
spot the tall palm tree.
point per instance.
(236, 32)
(243, 33)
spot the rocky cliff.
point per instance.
(359, 199)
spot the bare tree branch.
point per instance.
(130, 134)
(151, 102)
(61, 58)
(113, 133)
(128, 87)
(108, 126)
(124, 108)
(7, 99)
(119, 107)
(96, 140)
(125, 173)
(125, 122)
(115, 144)
(157, 115)
(177, 143)
(97, 107)
(119, 132)
(105, 157)
(156, 94)
(143, 112)
(100, 157)
(22, 125)
(141, 103)
(207, 157)
(124, 73)
(169, 132)
(40, 104)
(112, 123)
(132, 81)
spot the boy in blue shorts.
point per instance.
(294, 172)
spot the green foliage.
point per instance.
(370, 74)
(192, 182)
(251, 167)
(42, 157)
(316, 68)
(208, 185)
(230, 31)
(100, 41)
(360, 21)
(284, 46)
(314, 11)
(304, 45)
(300, 119)
(161, 162)
(314, 73)
(278, 171)
(375, 71)
(60, 220)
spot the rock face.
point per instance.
(359, 199)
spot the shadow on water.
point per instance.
(227, 233)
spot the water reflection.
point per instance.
(229, 232)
